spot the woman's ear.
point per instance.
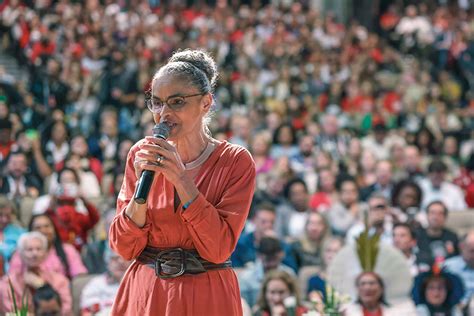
(207, 102)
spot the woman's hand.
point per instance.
(278, 310)
(161, 157)
(33, 280)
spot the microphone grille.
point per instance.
(161, 130)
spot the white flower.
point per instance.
(312, 313)
(290, 301)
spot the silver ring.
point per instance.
(159, 159)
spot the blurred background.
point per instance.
(351, 109)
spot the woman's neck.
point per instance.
(190, 148)
(372, 307)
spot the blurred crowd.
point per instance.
(349, 127)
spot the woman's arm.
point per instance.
(215, 229)
(128, 233)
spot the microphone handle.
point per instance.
(143, 187)
(145, 182)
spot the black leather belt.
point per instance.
(173, 262)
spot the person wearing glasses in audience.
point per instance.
(379, 220)
(183, 235)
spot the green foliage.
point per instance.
(23, 310)
(367, 249)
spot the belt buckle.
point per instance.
(159, 270)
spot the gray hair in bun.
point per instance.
(196, 66)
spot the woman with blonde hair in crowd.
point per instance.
(307, 250)
(279, 296)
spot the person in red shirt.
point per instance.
(6, 141)
(72, 214)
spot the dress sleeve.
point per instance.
(125, 237)
(215, 229)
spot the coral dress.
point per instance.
(211, 225)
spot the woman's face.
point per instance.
(408, 197)
(259, 146)
(79, 146)
(369, 289)
(285, 137)
(44, 225)
(331, 250)
(276, 292)
(315, 227)
(328, 181)
(187, 120)
(33, 253)
(368, 161)
(349, 193)
(67, 177)
(59, 132)
(436, 292)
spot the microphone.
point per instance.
(162, 131)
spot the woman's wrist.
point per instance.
(187, 191)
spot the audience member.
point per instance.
(32, 248)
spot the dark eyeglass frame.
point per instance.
(155, 105)
(379, 207)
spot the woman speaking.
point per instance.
(183, 235)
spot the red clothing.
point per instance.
(466, 182)
(320, 201)
(73, 225)
(5, 149)
(211, 225)
(376, 313)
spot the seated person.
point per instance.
(9, 232)
(279, 296)
(380, 220)
(438, 293)
(32, 248)
(93, 253)
(436, 241)
(463, 266)
(404, 239)
(99, 293)
(264, 224)
(47, 301)
(269, 257)
(61, 257)
(307, 250)
(317, 283)
(348, 210)
(371, 299)
(73, 215)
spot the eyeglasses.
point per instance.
(378, 207)
(175, 103)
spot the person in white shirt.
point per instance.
(99, 294)
(436, 188)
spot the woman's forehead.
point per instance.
(165, 86)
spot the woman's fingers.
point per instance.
(148, 156)
(157, 150)
(160, 142)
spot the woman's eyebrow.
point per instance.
(171, 96)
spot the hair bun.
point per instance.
(199, 59)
